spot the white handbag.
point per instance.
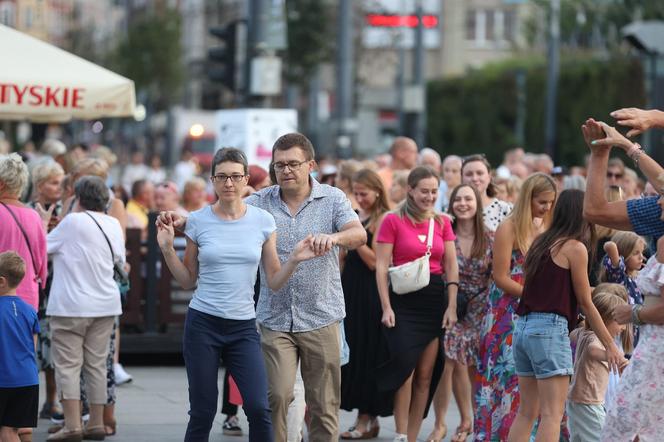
(413, 275)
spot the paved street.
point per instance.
(153, 408)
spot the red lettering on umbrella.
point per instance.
(51, 96)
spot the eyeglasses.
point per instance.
(292, 165)
(614, 175)
(222, 178)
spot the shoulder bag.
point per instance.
(413, 275)
(120, 276)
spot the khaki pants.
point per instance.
(319, 355)
(81, 344)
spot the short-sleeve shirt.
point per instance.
(410, 240)
(495, 213)
(645, 215)
(591, 376)
(18, 324)
(312, 298)
(229, 252)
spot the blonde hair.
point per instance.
(606, 297)
(626, 242)
(522, 214)
(13, 173)
(90, 166)
(371, 180)
(43, 172)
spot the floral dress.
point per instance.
(498, 388)
(639, 401)
(462, 342)
(619, 275)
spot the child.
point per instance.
(623, 260)
(19, 379)
(585, 405)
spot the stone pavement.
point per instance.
(153, 408)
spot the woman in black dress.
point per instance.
(359, 389)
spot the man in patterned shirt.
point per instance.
(641, 215)
(300, 322)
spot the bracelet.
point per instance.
(452, 283)
(636, 314)
(635, 153)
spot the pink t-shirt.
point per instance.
(410, 240)
(11, 238)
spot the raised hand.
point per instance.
(613, 138)
(638, 120)
(44, 214)
(165, 236)
(592, 132)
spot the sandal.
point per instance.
(461, 434)
(371, 432)
(434, 436)
(111, 427)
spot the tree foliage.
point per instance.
(151, 55)
(478, 112)
(310, 37)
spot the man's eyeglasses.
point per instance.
(292, 165)
(610, 175)
(222, 178)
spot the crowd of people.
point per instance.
(381, 286)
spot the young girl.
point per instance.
(556, 285)
(637, 409)
(622, 262)
(585, 404)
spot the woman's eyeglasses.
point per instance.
(222, 178)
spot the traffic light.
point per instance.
(227, 62)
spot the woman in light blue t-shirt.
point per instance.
(226, 241)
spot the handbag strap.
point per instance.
(103, 233)
(27, 241)
(430, 237)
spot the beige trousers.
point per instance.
(319, 354)
(81, 344)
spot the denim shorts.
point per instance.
(541, 346)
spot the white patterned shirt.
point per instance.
(312, 298)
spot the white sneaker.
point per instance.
(121, 376)
(401, 438)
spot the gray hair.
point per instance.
(13, 173)
(574, 182)
(92, 193)
(44, 171)
(53, 148)
(231, 155)
(429, 152)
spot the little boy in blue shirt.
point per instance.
(19, 378)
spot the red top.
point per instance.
(550, 290)
(410, 240)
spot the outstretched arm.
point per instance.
(638, 120)
(277, 273)
(596, 208)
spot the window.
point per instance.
(471, 24)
